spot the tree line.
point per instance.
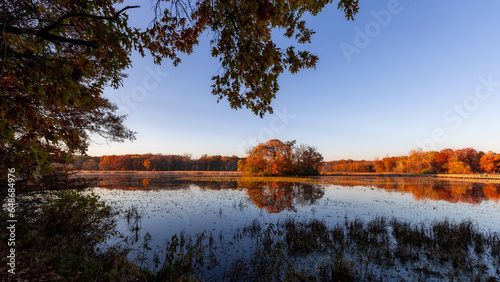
(271, 158)
(156, 162)
(286, 158)
(460, 161)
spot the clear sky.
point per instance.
(405, 74)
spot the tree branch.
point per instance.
(82, 15)
(56, 39)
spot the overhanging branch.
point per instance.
(47, 36)
(83, 15)
(57, 39)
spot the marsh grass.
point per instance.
(253, 229)
(304, 238)
(293, 250)
(352, 250)
(62, 236)
(182, 261)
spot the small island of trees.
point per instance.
(281, 158)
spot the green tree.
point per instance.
(57, 57)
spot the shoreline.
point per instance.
(488, 178)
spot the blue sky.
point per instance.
(405, 74)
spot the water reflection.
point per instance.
(278, 196)
(427, 188)
(163, 206)
(274, 197)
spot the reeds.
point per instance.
(352, 250)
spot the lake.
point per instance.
(226, 206)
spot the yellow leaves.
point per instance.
(458, 167)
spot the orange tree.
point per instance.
(490, 162)
(280, 158)
(57, 56)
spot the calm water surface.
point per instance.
(170, 205)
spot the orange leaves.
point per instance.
(278, 158)
(490, 162)
(491, 192)
(147, 164)
(460, 161)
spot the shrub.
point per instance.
(76, 217)
(66, 233)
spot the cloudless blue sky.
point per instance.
(418, 82)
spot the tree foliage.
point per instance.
(242, 40)
(57, 57)
(281, 158)
(490, 162)
(156, 162)
(460, 161)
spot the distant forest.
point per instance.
(156, 162)
(460, 161)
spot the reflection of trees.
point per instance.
(492, 192)
(139, 182)
(424, 189)
(276, 197)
